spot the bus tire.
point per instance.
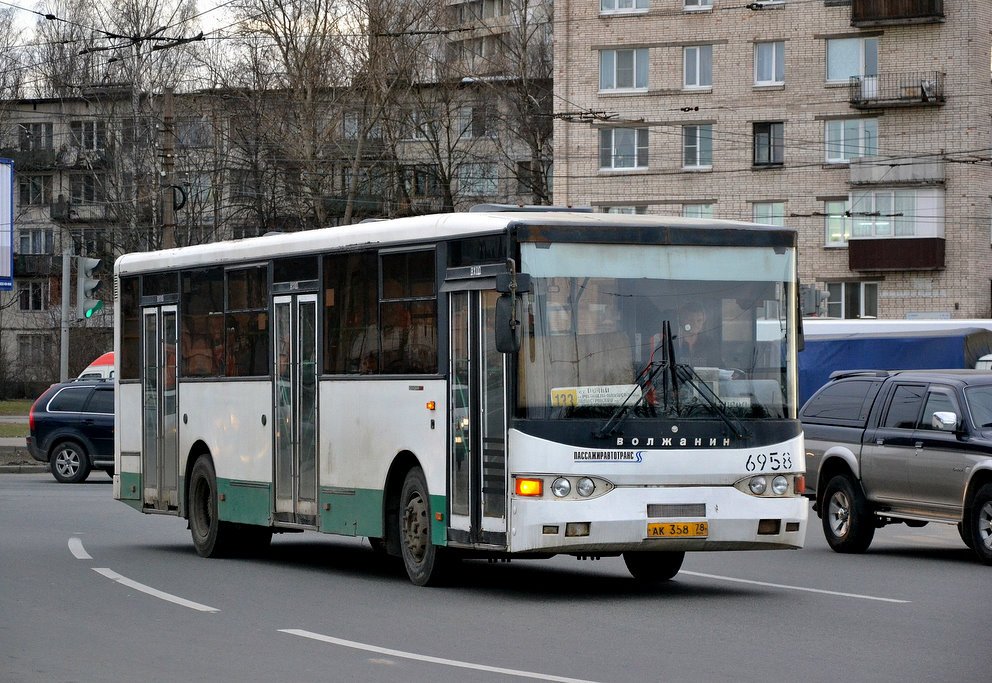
(211, 537)
(848, 523)
(980, 524)
(70, 463)
(653, 566)
(425, 562)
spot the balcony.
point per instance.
(893, 12)
(918, 89)
(916, 171)
(897, 253)
(34, 265)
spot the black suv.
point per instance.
(72, 428)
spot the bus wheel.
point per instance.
(653, 567)
(980, 523)
(848, 524)
(70, 464)
(424, 561)
(211, 537)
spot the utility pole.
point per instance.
(168, 171)
(66, 283)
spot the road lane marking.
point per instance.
(796, 588)
(77, 549)
(427, 658)
(154, 592)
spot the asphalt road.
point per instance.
(90, 590)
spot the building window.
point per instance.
(89, 135)
(33, 350)
(626, 210)
(852, 299)
(478, 179)
(698, 66)
(623, 148)
(86, 188)
(897, 213)
(697, 146)
(34, 190)
(35, 241)
(769, 63)
(623, 69)
(475, 122)
(851, 57)
(32, 295)
(697, 210)
(847, 139)
(769, 143)
(768, 213)
(422, 180)
(610, 6)
(695, 5)
(35, 136)
(193, 132)
(837, 222)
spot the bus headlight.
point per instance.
(758, 485)
(780, 485)
(585, 487)
(561, 487)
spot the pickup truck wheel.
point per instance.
(847, 521)
(981, 524)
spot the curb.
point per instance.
(26, 464)
(23, 469)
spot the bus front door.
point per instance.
(160, 447)
(477, 423)
(294, 407)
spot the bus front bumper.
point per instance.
(619, 521)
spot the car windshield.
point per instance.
(593, 336)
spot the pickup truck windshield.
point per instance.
(593, 320)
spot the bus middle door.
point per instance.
(477, 423)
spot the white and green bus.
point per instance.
(494, 384)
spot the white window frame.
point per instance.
(768, 213)
(35, 241)
(694, 152)
(697, 60)
(867, 58)
(845, 296)
(610, 71)
(897, 213)
(478, 179)
(697, 5)
(633, 145)
(623, 6)
(837, 147)
(638, 210)
(837, 222)
(770, 54)
(697, 210)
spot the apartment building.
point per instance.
(104, 174)
(863, 123)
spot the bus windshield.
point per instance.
(593, 337)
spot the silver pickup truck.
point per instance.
(902, 446)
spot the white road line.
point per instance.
(427, 658)
(154, 592)
(77, 549)
(796, 588)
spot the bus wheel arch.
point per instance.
(398, 470)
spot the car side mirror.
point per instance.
(944, 421)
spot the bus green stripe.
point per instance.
(130, 486)
(247, 502)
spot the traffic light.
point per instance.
(87, 284)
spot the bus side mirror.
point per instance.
(507, 325)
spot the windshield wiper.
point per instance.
(686, 374)
(645, 382)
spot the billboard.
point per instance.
(6, 224)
